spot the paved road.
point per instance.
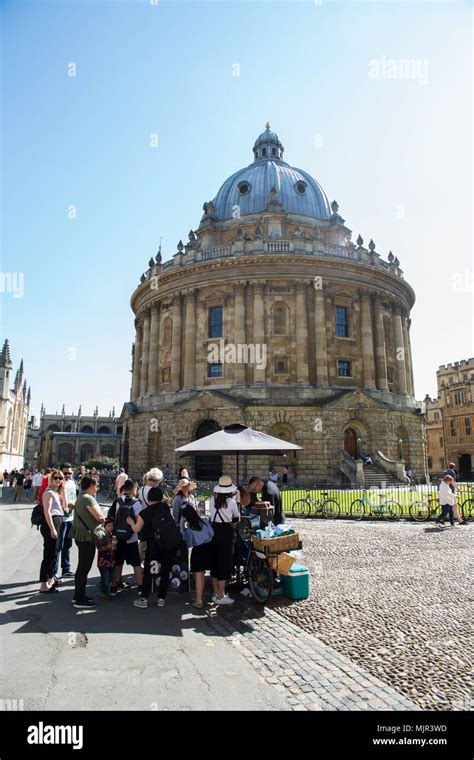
(116, 657)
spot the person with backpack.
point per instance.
(163, 538)
(54, 506)
(151, 479)
(224, 511)
(87, 516)
(127, 505)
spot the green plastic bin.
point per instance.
(296, 584)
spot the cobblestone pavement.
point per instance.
(395, 598)
(309, 674)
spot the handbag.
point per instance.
(98, 534)
(199, 537)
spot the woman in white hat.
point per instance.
(184, 495)
(224, 511)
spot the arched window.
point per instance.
(54, 428)
(87, 452)
(67, 429)
(65, 452)
(280, 319)
(264, 151)
(87, 429)
(107, 451)
(104, 429)
(208, 467)
(167, 332)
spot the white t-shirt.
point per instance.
(37, 480)
(446, 496)
(225, 514)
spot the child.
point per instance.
(447, 500)
(106, 560)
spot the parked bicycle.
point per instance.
(387, 509)
(328, 507)
(422, 510)
(252, 567)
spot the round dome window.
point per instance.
(244, 188)
(301, 187)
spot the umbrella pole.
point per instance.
(237, 466)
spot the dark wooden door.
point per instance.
(350, 442)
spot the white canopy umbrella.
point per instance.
(236, 438)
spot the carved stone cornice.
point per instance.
(258, 287)
(239, 289)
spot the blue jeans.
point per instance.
(446, 511)
(106, 578)
(64, 548)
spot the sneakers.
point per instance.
(68, 574)
(224, 599)
(83, 604)
(142, 603)
(160, 603)
(463, 522)
(122, 586)
(215, 598)
(113, 591)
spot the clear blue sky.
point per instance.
(396, 154)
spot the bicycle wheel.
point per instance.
(467, 509)
(331, 509)
(391, 510)
(260, 577)
(357, 510)
(419, 511)
(301, 508)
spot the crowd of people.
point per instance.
(143, 529)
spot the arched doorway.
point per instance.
(350, 442)
(65, 453)
(465, 466)
(207, 467)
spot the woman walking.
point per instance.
(54, 506)
(224, 511)
(87, 516)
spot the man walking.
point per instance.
(19, 482)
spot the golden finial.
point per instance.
(267, 125)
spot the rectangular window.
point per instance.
(280, 365)
(342, 325)
(214, 370)
(430, 463)
(453, 428)
(441, 442)
(215, 322)
(467, 423)
(344, 369)
(436, 415)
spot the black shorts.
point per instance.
(202, 558)
(128, 553)
(222, 551)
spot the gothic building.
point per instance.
(76, 438)
(15, 399)
(271, 316)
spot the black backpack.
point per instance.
(37, 515)
(124, 509)
(167, 534)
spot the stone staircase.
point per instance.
(374, 477)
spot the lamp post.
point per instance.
(400, 453)
(359, 442)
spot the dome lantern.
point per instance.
(268, 146)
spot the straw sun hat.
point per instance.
(225, 485)
(185, 482)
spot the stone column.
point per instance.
(201, 336)
(302, 374)
(408, 357)
(321, 343)
(367, 340)
(176, 346)
(239, 329)
(153, 352)
(258, 326)
(137, 356)
(380, 355)
(190, 340)
(400, 350)
(145, 353)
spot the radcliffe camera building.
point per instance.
(271, 316)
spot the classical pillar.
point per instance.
(258, 326)
(408, 357)
(145, 353)
(153, 352)
(176, 347)
(412, 376)
(400, 351)
(380, 354)
(201, 337)
(190, 340)
(239, 329)
(321, 342)
(367, 340)
(137, 355)
(302, 374)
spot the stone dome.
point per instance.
(250, 188)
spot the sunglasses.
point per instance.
(56, 477)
